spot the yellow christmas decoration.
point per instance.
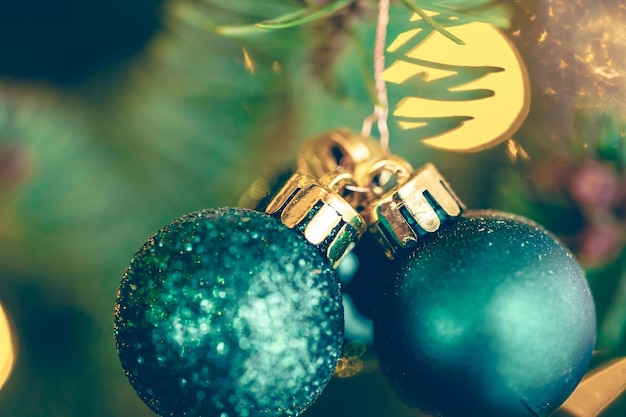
(470, 96)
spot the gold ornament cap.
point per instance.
(319, 209)
(404, 204)
(339, 150)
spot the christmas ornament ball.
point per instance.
(227, 312)
(492, 317)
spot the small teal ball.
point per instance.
(226, 313)
(492, 317)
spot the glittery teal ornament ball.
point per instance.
(225, 313)
(492, 317)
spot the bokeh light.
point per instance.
(7, 348)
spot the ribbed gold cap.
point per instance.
(405, 204)
(320, 211)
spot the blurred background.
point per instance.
(117, 117)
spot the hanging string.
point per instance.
(381, 108)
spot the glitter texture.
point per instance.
(225, 313)
(492, 317)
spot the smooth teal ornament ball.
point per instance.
(492, 317)
(227, 313)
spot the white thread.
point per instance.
(381, 109)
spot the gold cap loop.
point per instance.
(382, 175)
(405, 204)
(317, 210)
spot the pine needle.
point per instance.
(303, 17)
(285, 21)
(415, 8)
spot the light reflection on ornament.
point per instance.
(7, 351)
